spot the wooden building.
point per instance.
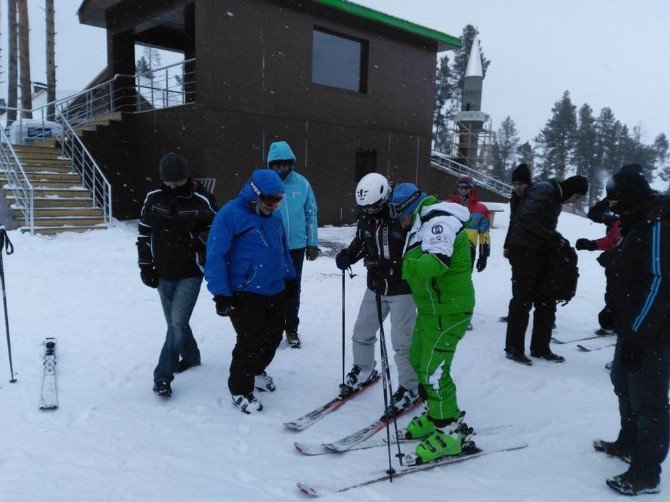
(351, 89)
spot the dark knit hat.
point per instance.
(173, 167)
(574, 185)
(628, 183)
(521, 174)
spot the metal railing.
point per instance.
(446, 163)
(82, 162)
(207, 183)
(17, 182)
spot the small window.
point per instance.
(339, 61)
(366, 163)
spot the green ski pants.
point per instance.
(431, 353)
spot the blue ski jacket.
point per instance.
(247, 252)
(298, 210)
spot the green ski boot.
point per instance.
(419, 427)
(438, 445)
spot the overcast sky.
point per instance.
(612, 53)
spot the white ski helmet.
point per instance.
(372, 192)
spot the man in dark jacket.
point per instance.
(174, 223)
(250, 273)
(530, 241)
(380, 242)
(638, 277)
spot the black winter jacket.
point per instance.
(173, 230)
(533, 225)
(381, 239)
(638, 275)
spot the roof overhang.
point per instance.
(444, 42)
(92, 12)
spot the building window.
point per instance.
(366, 163)
(339, 61)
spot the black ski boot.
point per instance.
(518, 357)
(548, 356)
(612, 449)
(629, 483)
(162, 388)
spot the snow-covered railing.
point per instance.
(82, 162)
(445, 163)
(17, 181)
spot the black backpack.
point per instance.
(563, 274)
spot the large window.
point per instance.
(339, 61)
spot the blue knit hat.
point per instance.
(405, 199)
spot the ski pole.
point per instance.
(343, 286)
(386, 386)
(6, 244)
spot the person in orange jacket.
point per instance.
(478, 226)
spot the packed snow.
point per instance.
(113, 439)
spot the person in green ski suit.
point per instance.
(437, 266)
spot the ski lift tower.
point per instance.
(472, 127)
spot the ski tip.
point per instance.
(583, 349)
(299, 447)
(307, 490)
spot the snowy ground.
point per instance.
(113, 439)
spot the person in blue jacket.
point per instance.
(299, 214)
(250, 273)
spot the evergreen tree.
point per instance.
(607, 128)
(504, 149)
(526, 155)
(559, 138)
(586, 156)
(443, 96)
(461, 56)
(142, 68)
(660, 147)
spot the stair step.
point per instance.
(42, 162)
(66, 193)
(51, 154)
(55, 212)
(50, 230)
(37, 182)
(46, 168)
(56, 221)
(40, 202)
(48, 176)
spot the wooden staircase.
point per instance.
(61, 203)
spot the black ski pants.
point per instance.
(530, 271)
(259, 323)
(643, 406)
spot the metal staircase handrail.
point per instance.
(83, 162)
(18, 181)
(443, 162)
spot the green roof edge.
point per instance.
(396, 22)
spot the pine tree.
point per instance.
(443, 97)
(504, 149)
(586, 156)
(142, 68)
(607, 128)
(660, 147)
(525, 154)
(558, 138)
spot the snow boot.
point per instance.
(293, 339)
(247, 403)
(604, 332)
(630, 484)
(401, 399)
(518, 358)
(612, 449)
(162, 388)
(185, 364)
(548, 356)
(357, 377)
(264, 383)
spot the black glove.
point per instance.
(291, 290)
(148, 276)
(312, 253)
(481, 263)
(586, 244)
(342, 260)
(631, 354)
(225, 305)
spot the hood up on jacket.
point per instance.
(280, 150)
(265, 181)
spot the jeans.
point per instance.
(293, 306)
(178, 300)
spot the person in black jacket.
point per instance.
(638, 276)
(174, 223)
(380, 242)
(531, 239)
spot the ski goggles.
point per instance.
(396, 210)
(374, 208)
